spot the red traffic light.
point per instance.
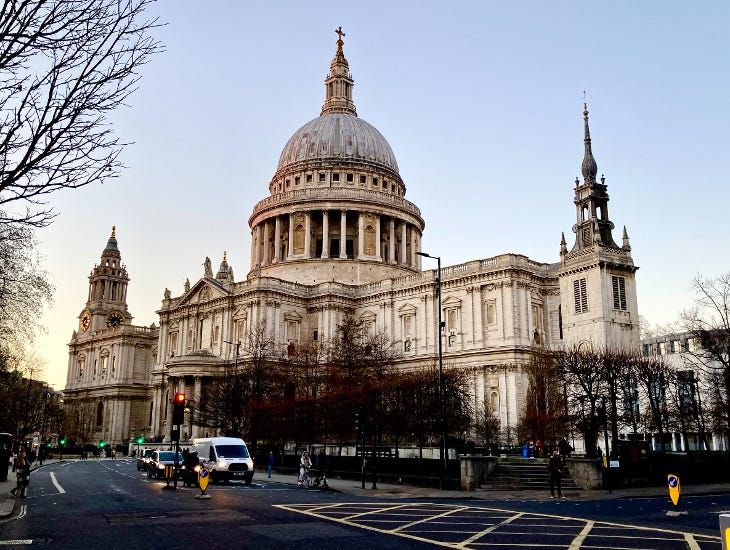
(180, 398)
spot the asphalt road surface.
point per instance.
(109, 504)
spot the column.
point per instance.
(378, 243)
(166, 404)
(253, 247)
(267, 251)
(360, 235)
(290, 252)
(307, 235)
(343, 233)
(195, 429)
(391, 248)
(325, 234)
(412, 258)
(277, 240)
(257, 243)
(403, 243)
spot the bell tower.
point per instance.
(597, 277)
(106, 305)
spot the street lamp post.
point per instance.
(441, 367)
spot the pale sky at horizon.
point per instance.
(480, 101)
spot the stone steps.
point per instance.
(524, 475)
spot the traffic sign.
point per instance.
(674, 487)
(203, 478)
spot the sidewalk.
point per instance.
(395, 491)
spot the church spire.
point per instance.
(339, 83)
(589, 167)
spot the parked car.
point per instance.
(143, 460)
(159, 460)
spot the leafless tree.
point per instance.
(655, 377)
(24, 286)
(580, 372)
(708, 321)
(230, 404)
(487, 426)
(544, 416)
(65, 66)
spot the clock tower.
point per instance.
(106, 305)
(106, 392)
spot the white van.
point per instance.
(227, 458)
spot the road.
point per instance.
(109, 504)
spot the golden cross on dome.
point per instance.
(340, 33)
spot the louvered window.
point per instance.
(581, 295)
(619, 292)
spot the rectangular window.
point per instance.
(287, 182)
(362, 180)
(619, 292)
(350, 178)
(375, 182)
(491, 312)
(322, 176)
(315, 336)
(335, 177)
(297, 179)
(581, 295)
(309, 178)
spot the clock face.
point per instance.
(85, 321)
(114, 320)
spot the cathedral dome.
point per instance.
(338, 137)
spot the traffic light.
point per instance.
(140, 440)
(102, 443)
(62, 442)
(178, 410)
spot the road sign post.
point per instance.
(674, 488)
(203, 478)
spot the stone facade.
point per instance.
(337, 237)
(110, 360)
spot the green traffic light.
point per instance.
(102, 443)
(140, 440)
(62, 442)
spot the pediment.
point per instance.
(203, 291)
(451, 301)
(292, 316)
(368, 316)
(407, 309)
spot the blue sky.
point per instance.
(482, 104)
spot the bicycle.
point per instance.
(315, 478)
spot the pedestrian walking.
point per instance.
(114, 454)
(305, 463)
(555, 474)
(22, 475)
(270, 464)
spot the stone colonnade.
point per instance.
(312, 234)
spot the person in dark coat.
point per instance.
(555, 474)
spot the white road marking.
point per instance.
(56, 484)
(18, 542)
